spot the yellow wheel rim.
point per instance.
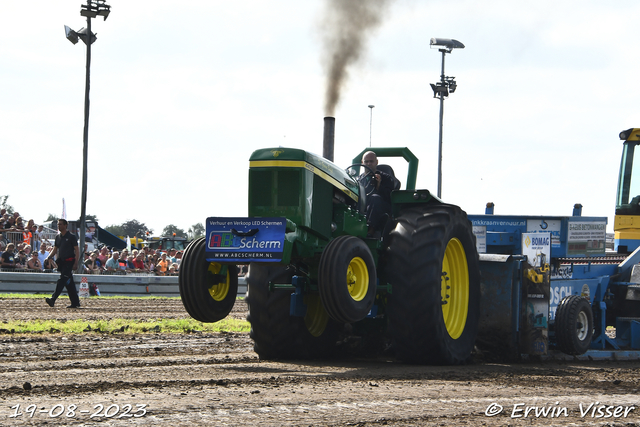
(219, 291)
(455, 288)
(357, 279)
(316, 318)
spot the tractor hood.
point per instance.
(296, 158)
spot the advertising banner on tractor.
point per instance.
(245, 240)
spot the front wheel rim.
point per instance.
(218, 291)
(454, 288)
(357, 279)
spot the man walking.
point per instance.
(66, 246)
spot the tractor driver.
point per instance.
(378, 187)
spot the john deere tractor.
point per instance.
(313, 269)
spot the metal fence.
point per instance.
(16, 237)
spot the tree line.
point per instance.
(131, 228)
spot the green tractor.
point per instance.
(313, 268)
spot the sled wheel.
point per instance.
(574, 325)
(207, 295)
(347, 279)
(275, 333)
(433, 270)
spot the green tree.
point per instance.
(130, 228)
(133, 228)
(51, 221)
(116, 230)
(5, 205)
(88, 218)
(170, 229)
(195, 231)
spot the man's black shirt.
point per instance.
(65, 245)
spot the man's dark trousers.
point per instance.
(65, 267)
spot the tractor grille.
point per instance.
(288, 187)
(275, 187)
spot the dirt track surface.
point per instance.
(217, 379)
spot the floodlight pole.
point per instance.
(85, 147)
(441, 90)
(370, 122)
(443, 82)
(92, 9)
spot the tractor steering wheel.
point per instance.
(352, 173)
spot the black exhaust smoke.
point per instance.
(345, 28)
(328, 140)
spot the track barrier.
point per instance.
(134, 285)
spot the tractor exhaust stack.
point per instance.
(329, 138)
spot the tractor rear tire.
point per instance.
(347, 279)
(433, 269)
(574, 325)
(205, 298)
(275, 333)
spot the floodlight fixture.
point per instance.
(71, 35)
(89, 13)
(446, 44)
(83, 33)
(95, 8)
(439, 90)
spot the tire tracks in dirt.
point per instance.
(216, 379)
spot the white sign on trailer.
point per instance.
(480, 231)
(537, 248)
(546, 225)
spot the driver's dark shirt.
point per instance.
(386, 185)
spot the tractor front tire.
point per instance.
(204, 296)
(275, 333)
(347, 279)
(574, 325)
(433, 269)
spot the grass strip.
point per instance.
(37, 296)
(126, 326)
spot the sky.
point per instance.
(183, 92)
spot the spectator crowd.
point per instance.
(31, 252)
(29, 234)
